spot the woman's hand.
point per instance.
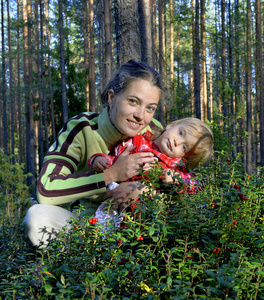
(124, 194)
(128, 165)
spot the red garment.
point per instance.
(143, 143)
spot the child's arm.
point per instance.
(169, 176)
(189, 182)
(100, 163)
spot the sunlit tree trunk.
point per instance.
(37, 70)
(171, 44)
(259, 80)
(86, 51)
(30, 161)
(203, 65)
(50, 79)
(196, 70)
(19, 123)
(223, 59)
(108, 42)
(161, 55)
(62, 65)
(11, 86)
(91, 58)
(193, 61)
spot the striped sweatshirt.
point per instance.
(65, 174)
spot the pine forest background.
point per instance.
(56, 57)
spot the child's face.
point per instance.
(175, 141)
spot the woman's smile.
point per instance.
(133, 109)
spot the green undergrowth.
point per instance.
(208, 245)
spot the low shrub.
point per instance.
(207, 245)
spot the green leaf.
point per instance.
(151, 231)
(62, 280)
(48, 288)
(169, 281)
(164, 230)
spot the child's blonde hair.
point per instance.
(202, 150)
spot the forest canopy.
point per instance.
(56, 57)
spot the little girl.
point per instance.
(184, 143)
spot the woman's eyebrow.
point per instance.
(139, 99)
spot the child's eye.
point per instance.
(184, 148)
(180, 132)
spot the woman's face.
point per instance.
(132, 110)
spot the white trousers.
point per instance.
(45, 221)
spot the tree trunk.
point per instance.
(204, 113)
(11, 88)
(259, 80)
(171, 44)
(196, 70)
(4, 83)
(19, 124)
(86, 55)
(161, 56)
(50, 79)
(154, 35)
(145, 21)
(91, 59)
(248, 91)
(62, 65)
(30, 161)
(108, 42)
(223, 59)
(127, 31)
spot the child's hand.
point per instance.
(168, 176)
(100, 163)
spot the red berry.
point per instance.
(218, 249)
(228, 160)
(75, 228)
(140, 238)
(235, 222)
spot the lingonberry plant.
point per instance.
(207, 245)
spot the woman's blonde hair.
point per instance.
(202, 150)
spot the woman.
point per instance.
(131, 99)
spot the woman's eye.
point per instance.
(132, 101)
(151, 109)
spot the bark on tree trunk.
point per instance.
(145, 21)
(4, 82)
(11, 91)
(62, 65)
(196, 71)
(91, 60)
(204, 114)
(108, 42)
(248, 92)
(259, 80)
(128, 36)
